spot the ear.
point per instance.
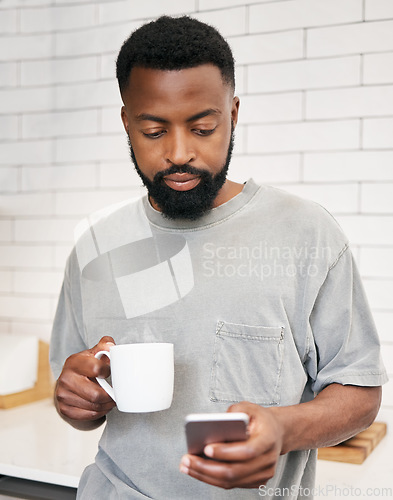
(124, 119)
(235, 110)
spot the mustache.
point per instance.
(173, 169)
(180, 169)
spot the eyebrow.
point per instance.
(202, 114)
(158, 119)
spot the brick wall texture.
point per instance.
(315, 79)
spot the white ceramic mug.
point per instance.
(142, 376)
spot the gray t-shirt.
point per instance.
(262, 301)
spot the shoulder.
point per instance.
(290, 205)
(118, 213)
(110, 228)
(287, 206)
(297, 220)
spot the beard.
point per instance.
(191, 204)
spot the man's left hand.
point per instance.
(244, 464)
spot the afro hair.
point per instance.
(174, 43)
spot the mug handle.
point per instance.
(103, 383)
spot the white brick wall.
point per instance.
(354, 38)
(51, 71)
(9, 127)
(376, 262)
(16, 46)
(286, 107)
(8, 74)
(304, 136)
(315, 78)
(352, 102)
(303, 14)
(379, 9)
(306, 74)
(378, 68)
(378, 133)
(354, 165)
(282, 46)
(58, 18)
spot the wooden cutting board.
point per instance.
(356, 449)
(43, 387)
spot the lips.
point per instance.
(182, 181)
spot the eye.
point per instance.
(154, 135)
(204, 132)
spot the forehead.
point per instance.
(176, 90)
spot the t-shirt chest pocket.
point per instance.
(247, 364)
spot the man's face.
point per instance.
(180, 126)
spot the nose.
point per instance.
(179, 148)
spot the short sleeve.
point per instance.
(345, 347)
(67, 331)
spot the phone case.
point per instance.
(203, 429)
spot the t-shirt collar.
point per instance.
(211, 217)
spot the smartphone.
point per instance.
(205, 428)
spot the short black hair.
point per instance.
(174, 43)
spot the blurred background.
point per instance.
(315, 80)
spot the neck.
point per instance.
(228, 191)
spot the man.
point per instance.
(256, 289)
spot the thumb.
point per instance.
(103, 345)
(102, 366)
(254, 413)
(244, 407)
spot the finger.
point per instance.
(76, 413)
(84, 363)
(224, 475)
(242, 469)
(103, 364)
(74, 384)
(256, 481)
(243, 407)
(77, 407)
(70, 398)
(256, 445)
(251, 409)
(238, 451)
(92, 411)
